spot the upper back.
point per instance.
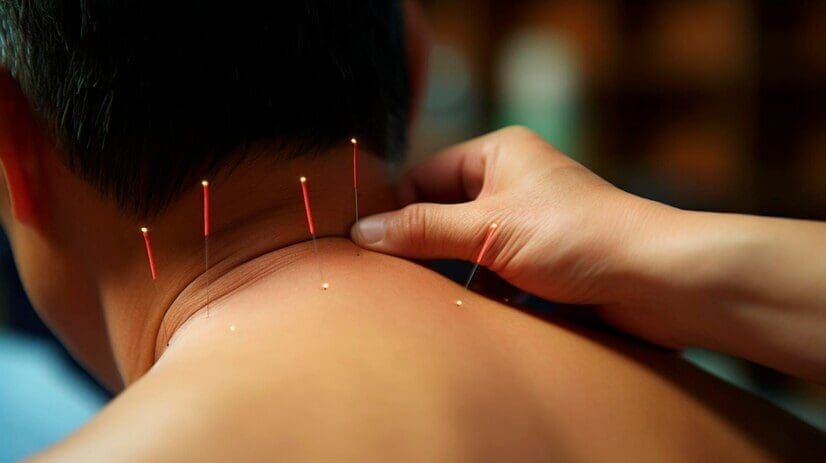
(384, 366)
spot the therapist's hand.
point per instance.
(754, 287)
(563, 233)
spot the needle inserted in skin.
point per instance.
(311, 225)
(205, 189)
(356, 179)
(149, 255)
(485, 246)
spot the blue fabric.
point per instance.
(41, 400)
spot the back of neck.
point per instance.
(255, 210)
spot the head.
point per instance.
(111, 110)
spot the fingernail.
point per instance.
(371, 229)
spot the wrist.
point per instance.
(679, 269)
(647, 283)
(637, 258)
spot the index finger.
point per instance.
(453, 175)
(461, 172)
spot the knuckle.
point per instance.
(519, 132)
(532, 146)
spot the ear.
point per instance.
(417, 40)
(19, 149)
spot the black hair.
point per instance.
(146, 97)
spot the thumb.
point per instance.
(423, 231)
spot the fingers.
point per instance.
(485, 166)
(459, 173)
(452, 176)
(424, 231)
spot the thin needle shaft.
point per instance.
(149, 255)
(205, 189)
(356, 181)
(318, 261)
(485, 246)
(356, 175)
(311, 226)
(479, 257)
(356, 195)
(206, 271)
(472, 273)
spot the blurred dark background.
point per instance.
(706, 104)
(703, 104)
(709, 104)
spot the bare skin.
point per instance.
(383, 366)
(753, 287)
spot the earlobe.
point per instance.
(18, 149)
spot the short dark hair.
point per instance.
(146, 97)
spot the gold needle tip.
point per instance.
(303, 179)
(325, 286)
(204, 183)
(353, 141)
(493, 225)
(144, 230)
(459, 303)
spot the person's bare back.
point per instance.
(384, 366)
(114, 114)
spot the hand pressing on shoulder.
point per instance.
(754, 287)
(563, 233)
